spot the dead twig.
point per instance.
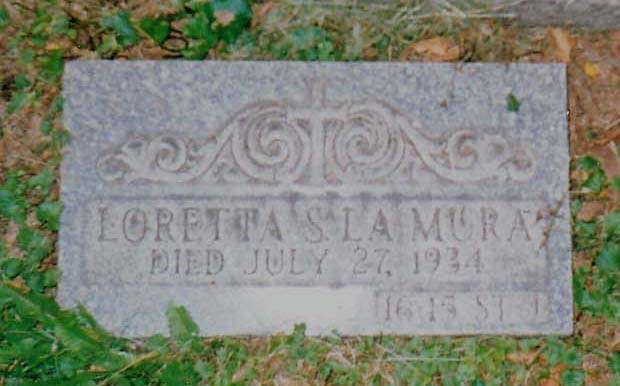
(134, 363)
(404, 358)
(554, 214)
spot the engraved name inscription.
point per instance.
(430, 261)
(313, 242)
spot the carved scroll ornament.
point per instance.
(276, 142)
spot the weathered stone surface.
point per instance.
(594, 14)
(362, 197)
(590, 14)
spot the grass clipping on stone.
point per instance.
(43, 344)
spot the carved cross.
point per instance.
(315, 109)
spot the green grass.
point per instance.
(45, 345)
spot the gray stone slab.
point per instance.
(589, 14)
(366, 198)
(592, 14)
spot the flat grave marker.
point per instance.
(365, 198)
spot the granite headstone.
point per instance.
(365, 198)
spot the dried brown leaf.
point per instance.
(563, 43)
(336, 355)
(10, 235)
(285, 380)
(554, 377)
(590, 210)
(11, 10)
(527, 357)
(591, 69)
(435, 49)
(77, 11)
(224, 18)
(264, 9)
(97, 369)
(180, 24)
(549, 382)
(141, 8)
(615, 341)
(605, 153)
(593, 363)
(240, 374)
